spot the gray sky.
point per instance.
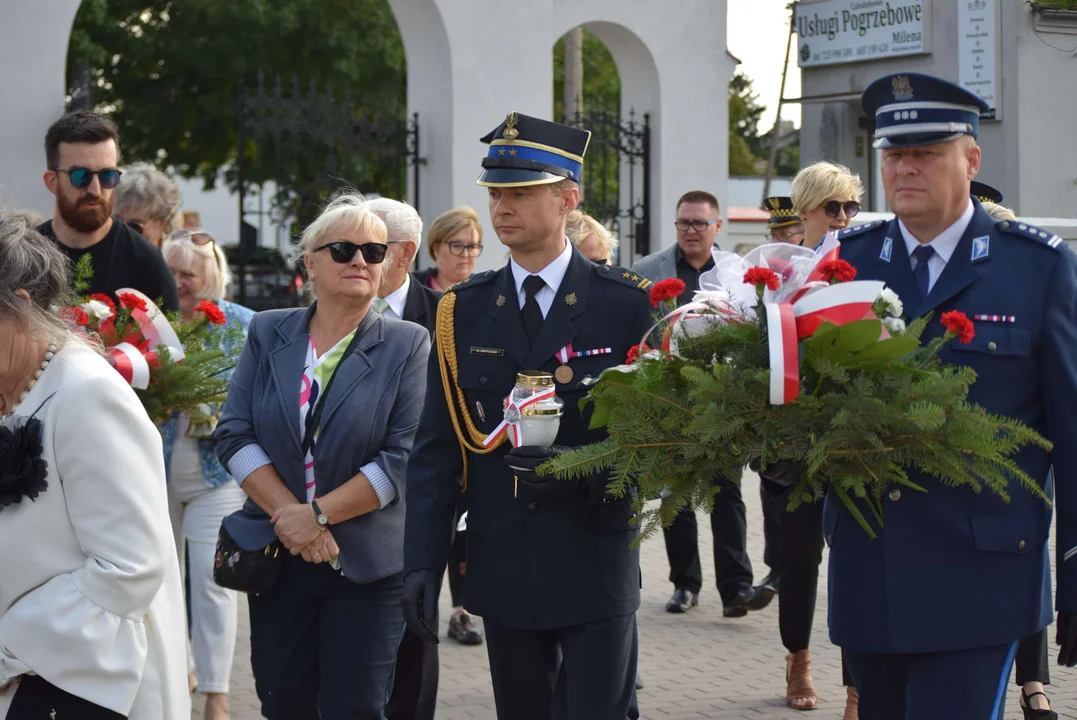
(758, 31)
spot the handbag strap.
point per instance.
(315, 417)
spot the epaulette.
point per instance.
(1031, 232)
(474, 281)
(624, 276)
(857, 230)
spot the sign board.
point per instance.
(977, 51)
(830, 32)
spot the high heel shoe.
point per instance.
(852, 704)
(799, 692)
(1032, 713)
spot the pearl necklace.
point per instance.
(50, 353)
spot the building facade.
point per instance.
(1019, 56)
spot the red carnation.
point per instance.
(762, 276)
(132, 302)
(76, 315)
(957, 323)
(211, 311)
(837, 271)
(102, 298)
(668, 289)
(637, 351)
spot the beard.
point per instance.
(87, 214)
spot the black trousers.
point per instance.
(415, 686)
(729, 525)
(802, 552)
(1031, 660)
(585, 672)
(323, 647)
(772, 529)
(458, 556)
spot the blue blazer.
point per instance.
(954, 569)
(371, 414)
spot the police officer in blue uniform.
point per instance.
(550, 567)
(930, 613)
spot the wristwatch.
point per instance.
(320, 518)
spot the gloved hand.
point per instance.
(420, 603)
(783, 473)
(524, 460)
(1066, 637)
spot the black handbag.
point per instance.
(256, 571)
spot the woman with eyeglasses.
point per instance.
(590, 237)
(825, 196)
(200, 491)
(317, 428)
(454, 241)
(149, 202)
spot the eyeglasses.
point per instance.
(783, 236)
(82, 177)
(458, 248)
(138, 226)
(343, 252)
(833, 207)
(697, 225)
(601, 261)
(197, 237)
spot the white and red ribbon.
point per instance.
(155, 327)
(505, 426)
(565, 354)
(131, 364)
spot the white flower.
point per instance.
(895, 325)
(892, 301)
(97, 311)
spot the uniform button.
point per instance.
(532, 506)
(895, 495)
(1021, 545)
(992, 346)
(483, 380)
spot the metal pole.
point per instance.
(778, 116)
(240, 173)
(415, 158)
(643, 236)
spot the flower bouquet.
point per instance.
(783, 357)
(173, 366)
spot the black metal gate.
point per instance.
(616, 177)
(312, 142)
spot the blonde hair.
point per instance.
(998, 212)
(448, 224)
(822, 180)
(348, 211)
(579, 225)
(215, 270)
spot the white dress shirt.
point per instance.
(944, 245)
(397, 299)
(552, 274)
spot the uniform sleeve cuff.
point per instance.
(381, 483)
(246, 461)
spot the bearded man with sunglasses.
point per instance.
(82, 152)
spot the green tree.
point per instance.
(788, 162)
(169, 73)
(746, 146)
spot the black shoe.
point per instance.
(1032, 713)
(772, 581)
(764, 593)
(462, 629)
(682, 601)
(738, 606)
(639, 682)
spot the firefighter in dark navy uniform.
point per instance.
(550, 563)
(930, 613)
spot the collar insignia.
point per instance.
(500, 302)
(981, 247)
(888, 249)
(570, 299)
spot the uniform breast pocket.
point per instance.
(486, 382)
(997, 353)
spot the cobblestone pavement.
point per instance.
(697, 665)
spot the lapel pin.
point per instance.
(980, 247)
(888, 250)
(570, 299)
(500, 301)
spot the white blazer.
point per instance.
(90, 592)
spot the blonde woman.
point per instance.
(826, 196)
(590, 237)
(454, 241)
(201, 493)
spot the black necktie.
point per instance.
(531, 311)
(920, 272)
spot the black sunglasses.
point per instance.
(343, 252)
(833, 207)
(82, 177)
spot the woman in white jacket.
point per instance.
(91, 606)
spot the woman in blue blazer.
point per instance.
(324, 638)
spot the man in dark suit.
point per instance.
(415, 687)
(930, 613)
(550, 563)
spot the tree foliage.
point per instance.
(601, 79)
(169, 74)
(747, 147)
